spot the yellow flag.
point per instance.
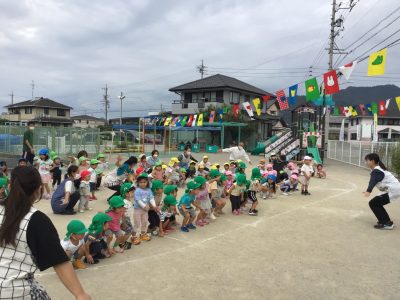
(200, 120)
(353, 111)
(167, 121)
(256, 103)
(398, 102)
(376, 63)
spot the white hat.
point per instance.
(307, 157)
(273, 154)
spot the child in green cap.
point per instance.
(236, 193)
(127, 190)
(185, 206)
(171, 190)
(158, 172)
(167, 211)
(157, 187)
(93, 177)
(254, 188)
(116, 211)
(74, 245)
(3, 188)
(218, 195)
(95, 238)
(203, 200)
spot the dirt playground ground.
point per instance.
(319, 247)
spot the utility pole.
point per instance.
(121, 97)
(106, 102)
(201, 69)
(33, 87)
(12, 97)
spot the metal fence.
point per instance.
(63, 140)
(353, 152)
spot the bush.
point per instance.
(395, 165)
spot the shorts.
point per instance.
(46, 178)
(190, 210)
(206, 205)
(92, 186)
(252, 195)
(165, 216)
(303, 180)
(116, 233)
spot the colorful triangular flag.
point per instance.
(312, 89)
(194, 121)
(374, 107)
(368, 109)
(266, 98)
(248, 108)
(293, 94)
(347, 69)
(376, 63)
(331, 83)
(257, 103)
(382, 108)
(336, 111)
(347, 111)
(353, 111)
(183, 122)
(190, 121)
(236, 110)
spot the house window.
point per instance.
(188, 97)
(390, 122)
(28, 110)
(46, 111)
(61, 112)
(219, 96)
(87, 121)
(380, 121)
(353, 136)
(235, 98)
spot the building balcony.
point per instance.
(11, 117)
(183, 107)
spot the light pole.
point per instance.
(121, 97)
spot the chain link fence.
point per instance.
(63, 140)
(353, 152)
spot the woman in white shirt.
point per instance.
(237, 152)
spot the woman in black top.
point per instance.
(28, 241)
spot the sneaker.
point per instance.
(136, 241)
(252, 213)
(200, 223)
(307, 193)
(68, 212)
(145, 238)
(286, 194)
(212, 217)
(88, 208)
(78, 264)
(127, 246)
(184, 229)
(255, 210)
(303, 192)
(81, 211)
(191, 226)
(95, 260)
(387, 226)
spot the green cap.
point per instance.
(125, 188)
(240, 179)
(52, 155)
(242, 165)
(169, 200)
(143, 175)
(255, 173)
(248, 182)
(82, 158)
(214, 173)
(116, 202)
(94, 161)
(223, 178)
(157, 164)
(200, 180)
(98, 222)
(75, 226)
(4, 184)
(192, 185)
(156, 184)
(101, 155)
(168, 189)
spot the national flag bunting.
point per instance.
(368, 108)
(236, 110)
(212, 116)
(376, 63)
(362, 109)
(312, 89)
(293, 94)
(331, 83)
(374, 107)
(248, 108)
(190, 121)
(194, 121)
(184, 120)
(387, 103)
(257, 103)
(382, 108)
(282, 100)
(266, 98)
(200, 120)
(398, 102)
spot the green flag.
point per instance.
(374, 107)
(312, 89)
(336, 111)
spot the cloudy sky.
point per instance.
(72, 49)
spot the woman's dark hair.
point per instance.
(187, 147)
(72, 169)
(82, 153)
(24, 182)
(144, 178)
(131, 161)
(3, 163)
(319, 165)
(375, 158)
(154, 152)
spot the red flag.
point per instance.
(341, 109)
(282, 100)
(189, 122)
(212, 116)
(331, 82)
(382, 108)
(362, 108)
(236, 110)
(266, 98)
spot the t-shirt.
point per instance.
(143, 197)
(69, 246)
(186, 200)
(237, 189)
(44, 243)
(115, 223)
(84, 189)
(203, 194)
(306, 169)
(44, 166)
(69, 187)
(93, 175)
(28, 135)
(124, 169)
(101, 167)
